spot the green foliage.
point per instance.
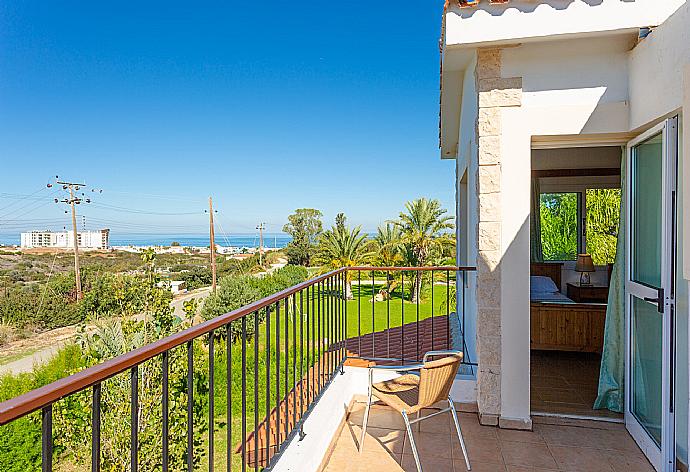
(422, 235)
(20, 448)
(196, 277)
(603, 220)
(72, 417)
(341, 246)
(305, 226)
(236, 291)
(559, 226)
(232, 293)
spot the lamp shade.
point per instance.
(584, 263)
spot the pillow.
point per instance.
(542, 284)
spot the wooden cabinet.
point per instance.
(589, 294)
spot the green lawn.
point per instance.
(391, 312)
(358, 308)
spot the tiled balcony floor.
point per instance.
(605, 447)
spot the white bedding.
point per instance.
(550, 297)
(543, 289)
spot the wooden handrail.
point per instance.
(421, 268)
(36, 399)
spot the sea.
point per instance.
(271, 240)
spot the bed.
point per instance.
(556, 322)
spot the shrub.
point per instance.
(233, 292)
(196, 277)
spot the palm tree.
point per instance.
(421, 227)
(388, 252)
(343, 247)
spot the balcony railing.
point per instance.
(291, 346)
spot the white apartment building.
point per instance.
(65, 239)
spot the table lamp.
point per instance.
(584, 265)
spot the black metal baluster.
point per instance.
(96, 429)
(268, 385)
(164, 407)
(211, 399)
(310, 349)
(47, 438)
(293, 349)
(359, 311)
(373, 316)
(301, 354)
(333, 318)
(418, 286)
(228, 395)
(278, 402)
(345, 335)
(134, 444)
(402, 316)
(244, 394)
(338, 325)
(319, 337)
(287, 360)
(190, 406)
(433, 333)
(462, 329)
(388, 313)
(462, 283)
(256, 390)
(328, 314)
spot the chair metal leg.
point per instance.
(414, 446)
(364, 423)
(457, 428)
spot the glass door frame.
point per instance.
(663, 458)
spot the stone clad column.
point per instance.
(494, 93)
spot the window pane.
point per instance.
(603, 218)
(646, 211)
(559, 226)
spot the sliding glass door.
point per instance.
(651, 184)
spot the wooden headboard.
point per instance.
(548, 269)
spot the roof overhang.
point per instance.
(471, 25)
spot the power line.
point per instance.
(143, 212)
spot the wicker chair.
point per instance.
(410, 393)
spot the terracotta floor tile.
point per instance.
(581, 447)
(377, 439)
(577, 459)
(440, 423)
(460, 466)
(479, 449)
(430, 445)
(520, 468)
(567, 435)
(429, 464)
(630, 463)
(615, 440)
(534, 455)
(520, 436)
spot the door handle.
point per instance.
(659, 300)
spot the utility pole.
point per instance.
(212, 235)
(261, 227)
(72, 201)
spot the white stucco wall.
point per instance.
(573, 86)
(515, 244)
(656, 70)
(527, 20)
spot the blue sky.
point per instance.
(267, 106)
